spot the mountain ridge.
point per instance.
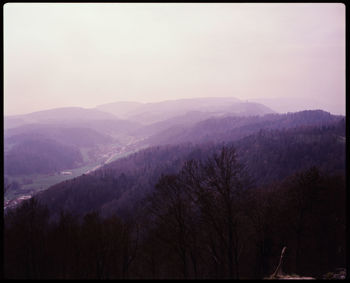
(154, 112)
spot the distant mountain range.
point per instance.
(169, 133)
(130, 117)
(117, 124)
(148, 113)
(57, 115)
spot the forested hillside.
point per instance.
(72, 136)
(40, 156)
(56, 115)
(270, 155)
(235, 127)
(43, 149)
(119, 185)
(274, 154)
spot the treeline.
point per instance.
(208, 220)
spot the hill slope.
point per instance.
(270, 155)
(235, 127)
(40, 156)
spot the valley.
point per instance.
(28, 185)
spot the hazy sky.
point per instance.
(76, 54)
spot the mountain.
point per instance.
(88, 135)
(270, 154)
(188, 119)
(72, 117)
(119, 185)
(120, 109)
(148, 113)
(234, 127)
(286, 104)
(274, 154)
(13, 121)
(57, 115)
(40, 156)
(71, 136)
(42, 148)
(72, 126)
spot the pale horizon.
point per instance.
(88, 54)
(257, 100)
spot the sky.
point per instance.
(87, 54)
